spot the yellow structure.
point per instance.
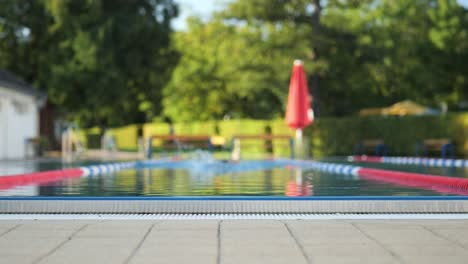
(406, 107)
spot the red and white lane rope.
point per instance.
(10, 181)
(430, 162)
(437, 183)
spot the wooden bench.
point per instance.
(180, 142)
(182, 138)
(378, 145)
(444, 145)
(267, 138)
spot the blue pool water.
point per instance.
(217, 178)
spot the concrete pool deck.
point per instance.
(233, 241)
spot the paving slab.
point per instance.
(167, 244)
(250, 242)
(388, 225)
(354, 260)
(26, 250)
(9, 223)
(94, 250)
(428, 250)
(54, 224)
(390, 236)
(181, 238)
(459, 235)
(330, 236)
(434, 259)
(446, 224)
(115, 229)
(7, 229)
(319, 224)
(188, 224)
(252, 224)
(20, 233)
(353, 250)
(234, 241)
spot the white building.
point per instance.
(19, 115)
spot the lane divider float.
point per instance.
(42, 177)
(430, 162)
(96, 170)
(341, 169)
(10, 181)
(444, 184)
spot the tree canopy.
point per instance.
(228, 70)
(102, 61)
(111, 62)
(362, 54)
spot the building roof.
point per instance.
(10, 81)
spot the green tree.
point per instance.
(401, 55)
(229, 69)
(299, 13)
(326, 41)
(375, 52)
(102, 61)
(449, 34)
(24, 40)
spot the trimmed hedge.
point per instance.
(327, 136)
(126, 137)
(155, 129)
(337, 136)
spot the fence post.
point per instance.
(150, 148)
(291, 146)
(448, 150)
(210, 145)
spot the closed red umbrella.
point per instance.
(298, 112)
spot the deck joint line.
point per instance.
(445, 238)
(298, 243)
(9, 230)
(218, 255)
(135, 250)
(391, 252)
(55, 249)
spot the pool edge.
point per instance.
(231, 206)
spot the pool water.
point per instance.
(264, 178)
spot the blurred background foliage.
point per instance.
(117, 62)
(328, 136)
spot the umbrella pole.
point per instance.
(299, 143)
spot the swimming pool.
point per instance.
(255, 178)
(207, 186)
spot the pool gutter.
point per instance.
(234, 205)
(117, 217)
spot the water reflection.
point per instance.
(297, 186)
(29, 190)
